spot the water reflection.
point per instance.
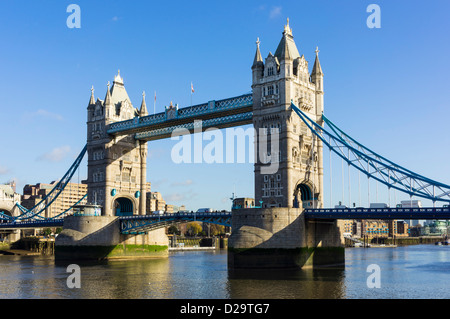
(286, 284)
(406, 272)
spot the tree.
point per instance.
(173, 230)
(217, 229)
(193, 228)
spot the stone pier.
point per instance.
(99, 237)
(283, 238)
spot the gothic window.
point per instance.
(276, 89)
(98, 155)
(270, 71)
(270, 90)
(295, 155)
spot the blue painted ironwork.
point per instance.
(374, 165)
(212, 107)
(378, 213)
(62, 214)
(51, 196)
(215, 122)
(33, 224)
(141, 224)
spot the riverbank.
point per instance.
(404, 241)
(392, 242)
(193, 248)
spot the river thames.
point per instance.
(409, 272)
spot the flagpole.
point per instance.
(154, 105)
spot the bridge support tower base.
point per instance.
(99, 238)
(270, 238)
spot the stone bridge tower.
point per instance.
(290, 174)
(116, 165)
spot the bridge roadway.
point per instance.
(142, 223)
(379, 213)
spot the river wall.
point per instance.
(99, 237)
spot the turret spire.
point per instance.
(317, 69)
(287, 29)
(258, 58)
(108, 95)
(143, 110)
(287, 50)
(92, 100)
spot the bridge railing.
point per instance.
(143, 223)
(187, 112)
(380, 213)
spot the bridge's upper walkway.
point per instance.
(224, 113)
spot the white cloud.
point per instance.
(55, 155)
(159, 183)
(180, 197)
(44, 114)
(183, 183)
(175, 197)
(275, 12)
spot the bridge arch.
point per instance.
(303, 195)
(5, 212)
(123, 206)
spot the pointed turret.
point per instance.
(317, 79)
(257, 61)
(143, 110)
(258, 64)
(108, 96)
(92, 99)
(317, 69)
(287, 50)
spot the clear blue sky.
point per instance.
(387, 87)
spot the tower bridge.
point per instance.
(287, 102)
